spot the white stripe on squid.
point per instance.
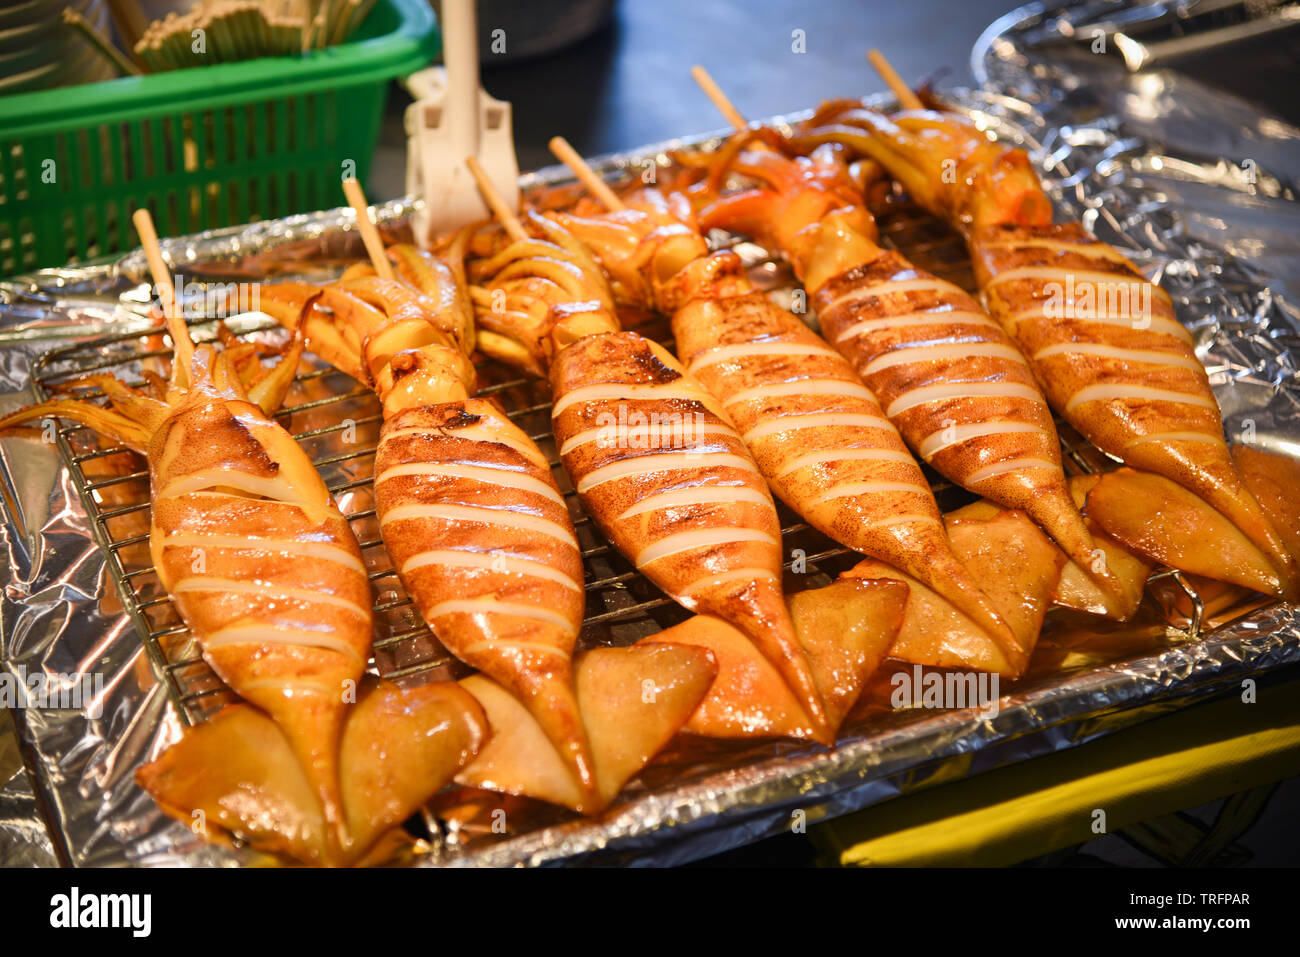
(1011, 465)
(946, 391)
(1088, 248)
(736, 574)
(661, 462)
(493, 561)
(907, 353)
(1157, 324)
(1106, 392)
(952, 435)
(901, 456)
(320, 550)
(276, 489)
(697, 495)
(1178, 437)
(631, 437)
(487, 475)
(270, 635)
(1076, 276)
(1149, 356)
(952, 317)
(699, 538)
(539, 647)
(208, 583)
(521, 521)
(490, 605)
(838, 387)
(847, 489)
(816, 420)
(684, 389)
(891, 286)
(748, 350)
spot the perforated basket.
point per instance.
(201, 148)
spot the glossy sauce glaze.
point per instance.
(1113, 360)
(814, 430)
(469, 512)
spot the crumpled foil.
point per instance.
(1198, 188)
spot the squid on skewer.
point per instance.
(259, 561)
(654, 458)
(815, 431)
(1103, 341)
(945, 374)
(468, 509)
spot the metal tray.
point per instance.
(83, 594)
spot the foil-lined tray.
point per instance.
(1119, 151)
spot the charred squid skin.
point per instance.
(262, 567)
(469, 511)
(823, 443)
(1136, 390)
(670, 483)
(958, 389)
(1113, 359)
(812, 427)
(482, 539)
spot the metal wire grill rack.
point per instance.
(337, 420)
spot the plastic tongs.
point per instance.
(452, 118)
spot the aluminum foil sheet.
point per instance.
(1154, 163)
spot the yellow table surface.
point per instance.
(1008, 815)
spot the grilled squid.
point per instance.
(1104, 343)
(262, 566)
(815, 431)
(469, 511)
(654, 457)
(945, 374)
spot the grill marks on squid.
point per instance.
(816, 431)
(480, 531)
(659, 466)
(657, 452)
(292, 575)
(468, 509)
(821, 439)
(949, 378)
(960, 392)
(653, 457)
(1112, 358)
(1095, 330)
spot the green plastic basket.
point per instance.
(200, 148)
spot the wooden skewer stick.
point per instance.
(906, 98)
(498, 205)
(724, 105)
(714, 93)
(567, 155)
(181, 340)
(153, 254)
(369, 234)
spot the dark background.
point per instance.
(629, 84)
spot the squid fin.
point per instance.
(845, 629)
(1013, 563)
(633, 701)
(1165, 522)
(399, 747)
